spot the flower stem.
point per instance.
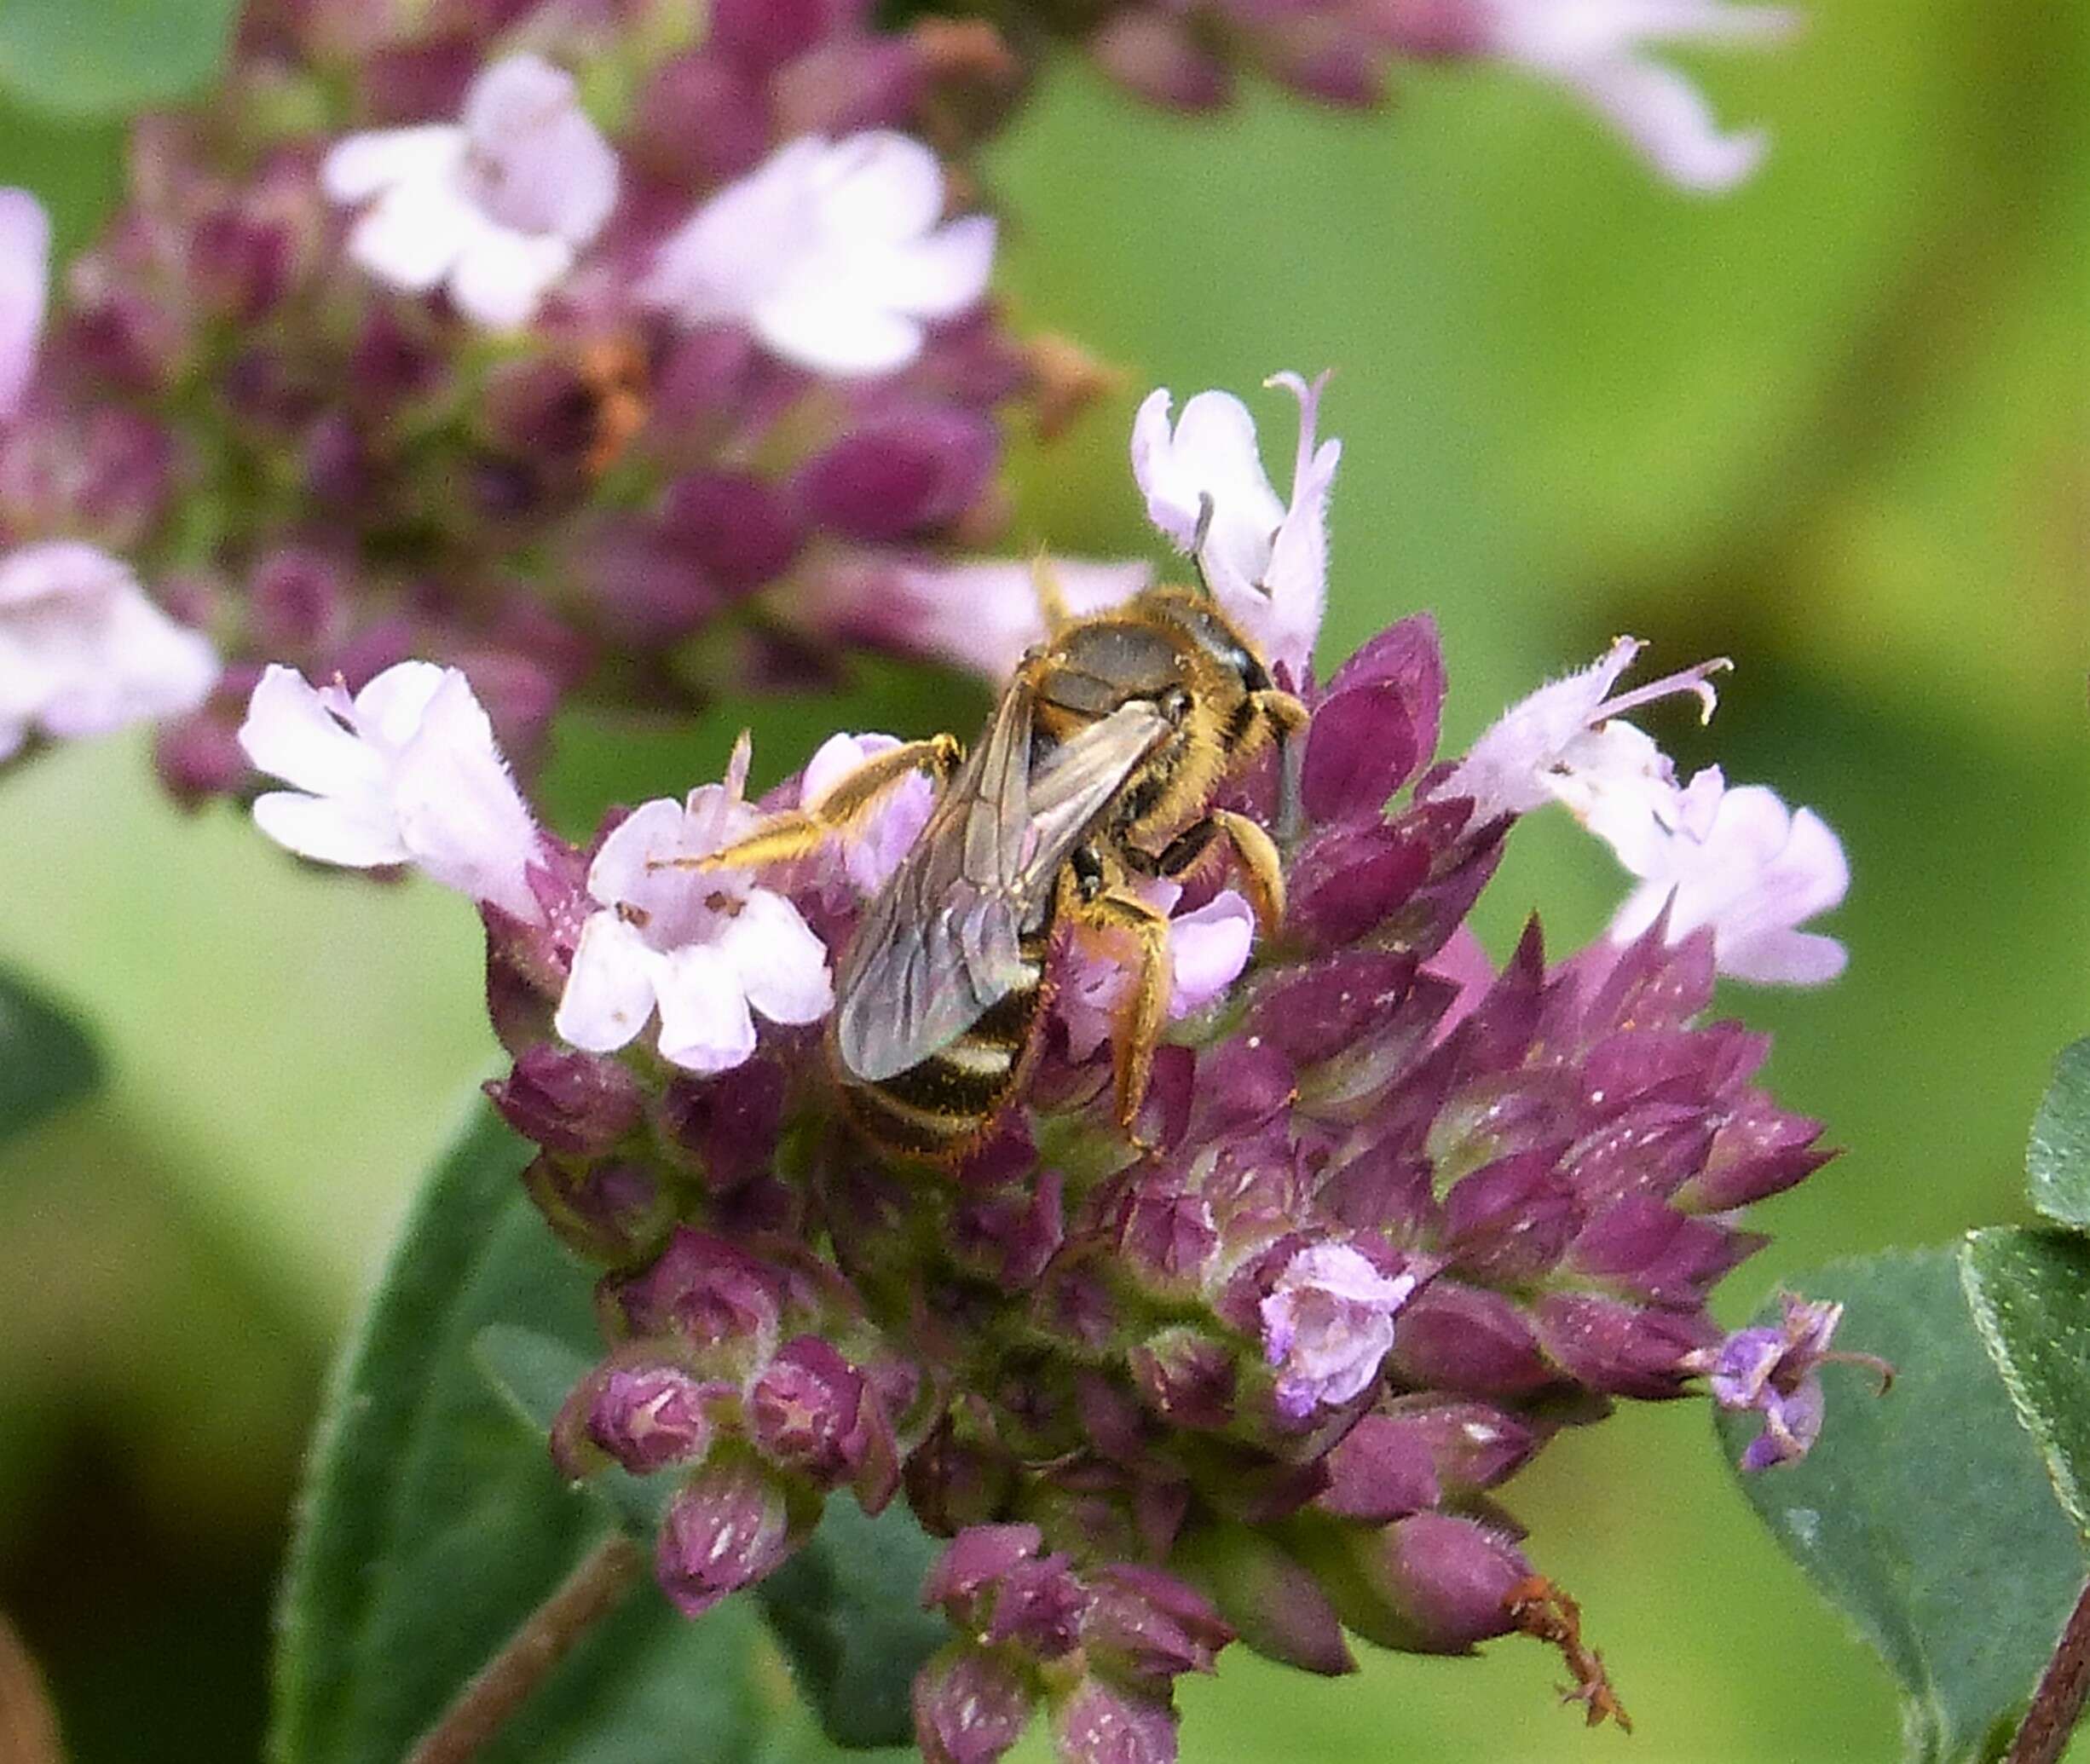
(2056, 1705)
(503, 1685)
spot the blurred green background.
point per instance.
(1833, 425)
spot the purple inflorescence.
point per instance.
(1394, 1216)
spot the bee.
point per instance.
(1098, 768)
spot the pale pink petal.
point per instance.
(410, 237)
(936, 277)
(390, 708)
(825, 326)
(880, 186)
(1208, 949)
(704, 1023)
(608, 994)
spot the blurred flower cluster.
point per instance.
(608, 352)
(1388, 1219)
(558, 344)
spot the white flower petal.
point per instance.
(25, 274)
(621, 871)
(826, 326)
(289, 734)
(501, 278)
(359, 166)
(409, 238)
(392, 706)
(782, 966)
(356, 832)
(1664, 114)
(879, 188)
(610, 992)
(461, 815)
(705, 1026)
(937, 277)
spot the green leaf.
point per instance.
(1927, 1514)
(846, 1609)
(2029, 1292)
(46, 1060)
(432, 1522)
(103, 57)
(2058, 1159)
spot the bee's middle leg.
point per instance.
(1262, 871)
(1141, 1017)
(796, 833)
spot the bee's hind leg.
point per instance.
(797, 832)
(1140, 1019)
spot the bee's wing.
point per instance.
(941, 942)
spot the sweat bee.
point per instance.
(1098, 768)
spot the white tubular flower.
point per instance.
(83, 651)
(1206, 489)
(1753, 870)
(830, 252)
(1562, 744)
(407, 772)
(703, 949)
(980, 615)
(1595, 49)
(496, 205)
(25, 273)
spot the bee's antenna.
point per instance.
(1052, 596)
(1197, 541)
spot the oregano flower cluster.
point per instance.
(1392, 1215)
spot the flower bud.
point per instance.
(729, 1123)
(1186, 1377)
(970, 1706)
(296, 601)
(199, 757)
(702, 118)
(729, 1526)
(963, 1578)
(647, 1417)
(1099, 1722)
(609, 1211)
(1454, 1337)
(902, 475)
(812, 1413)
(1157, 58)
(567, 1100)
(711, 1292)
(1429, 1584)
(737, 527)
(1272, 1603)
(1620, 1349)
(1150, 1626)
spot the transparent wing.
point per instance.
(941, 942)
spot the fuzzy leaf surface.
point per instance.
(104, 57)
(2030, 1292)
(1927, 1514)
(846, 1609)
(432, 1524)
(2058, 1161)
(46, 1059)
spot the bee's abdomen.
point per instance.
(941, 1107)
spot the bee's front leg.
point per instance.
(1141, 1017)
(798, 832)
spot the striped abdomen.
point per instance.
(942, 1107)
